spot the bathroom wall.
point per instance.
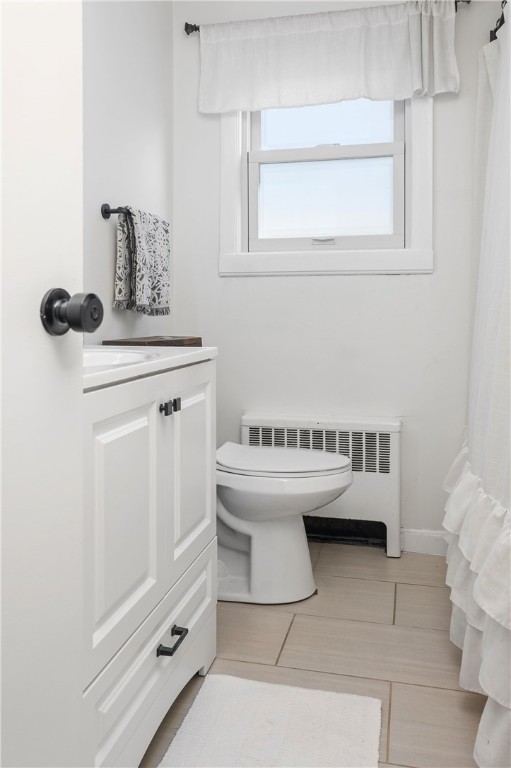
(127, 139)
(348, 345)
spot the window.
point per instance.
(334, 189)
(327, 177)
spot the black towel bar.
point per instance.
(106, 211)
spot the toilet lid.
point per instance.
(279, 462)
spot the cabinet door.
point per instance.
(124, 528)
(188, 455)
(149, 499)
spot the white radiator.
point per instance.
(374, 447)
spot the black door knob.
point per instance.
(60, 312)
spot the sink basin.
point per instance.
(100, 357)
(104, 366)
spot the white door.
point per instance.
(41, 385)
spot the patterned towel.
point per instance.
(142, 272)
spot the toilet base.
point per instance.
(274, 567)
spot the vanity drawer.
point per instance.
(119, 699)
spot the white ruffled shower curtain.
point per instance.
(477, 520)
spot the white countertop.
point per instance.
(151, 360)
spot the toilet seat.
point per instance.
(266, 461)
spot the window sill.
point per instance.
(381, 262)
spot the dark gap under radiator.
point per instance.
(361, 532)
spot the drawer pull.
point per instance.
(164, 650)
(167, 408)
(171, 406)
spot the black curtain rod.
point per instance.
(189, 28)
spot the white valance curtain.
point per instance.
(478, 519)
(386, 52)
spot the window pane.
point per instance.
(328, 198)
(349, 122)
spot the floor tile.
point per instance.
(157, 748)
(430, 728)
(372, 563)
(318, 680)
(246, 634)
(379, 651)
(355, 599)
(170, 724)
(182, 704)
(392, 765)
(314, 549)
(419, 606)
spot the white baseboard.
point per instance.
(425, 542)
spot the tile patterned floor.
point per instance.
(377, 627)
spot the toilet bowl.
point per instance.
(262, 493)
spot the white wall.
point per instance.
(127, 139)
(348, 345)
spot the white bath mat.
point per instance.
(236, 722)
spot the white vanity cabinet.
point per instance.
(150, 552)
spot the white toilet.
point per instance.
(262, 493)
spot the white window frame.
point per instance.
(258, 157)
(417, 255)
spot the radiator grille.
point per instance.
(368, 451)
